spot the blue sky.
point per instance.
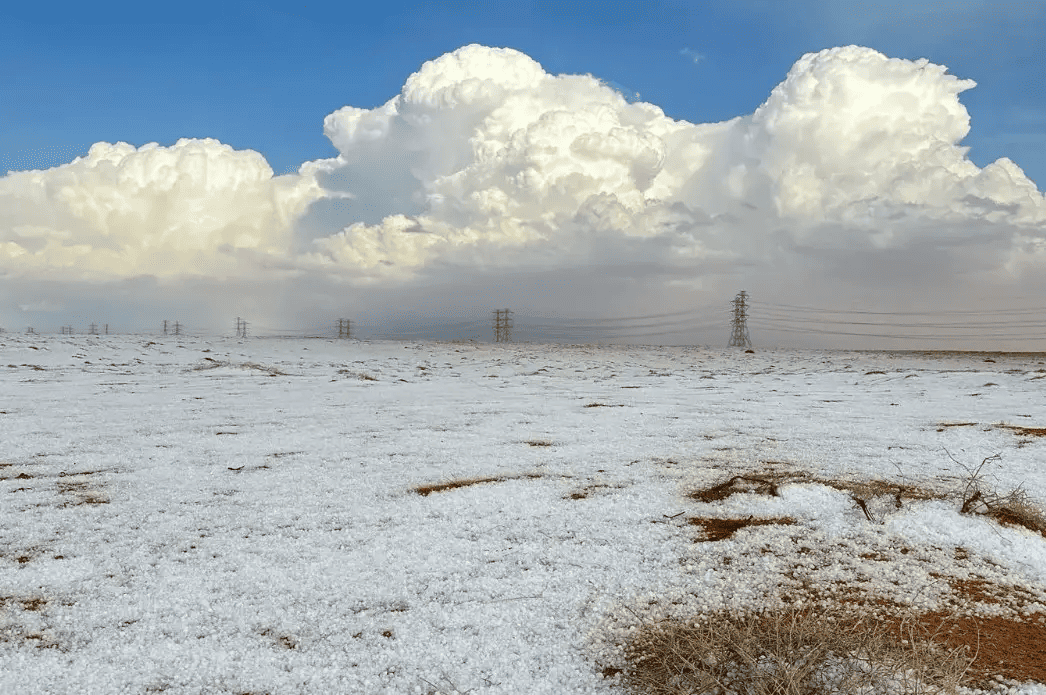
(262, 75)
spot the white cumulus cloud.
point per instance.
(486, 169)
(124, 212)
(488, 158)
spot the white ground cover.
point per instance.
(187, 515)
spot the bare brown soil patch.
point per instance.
(1011, 645)
(358, 375)
(584, 492)
(78, 489)
(211, 363)
(739, 483)
(425, 490)
(1008, 647)
(1020, 430)
(283, 640)
(719, 529)
(27, 604)
(21, 476)
(1025, 431)
(941, 426)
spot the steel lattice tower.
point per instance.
(502, 325)
(739, 334)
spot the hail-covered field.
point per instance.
(291, 516)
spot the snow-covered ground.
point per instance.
(215, 515)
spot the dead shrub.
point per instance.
(1015, 508)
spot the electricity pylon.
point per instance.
(502, 326)
(739, 334)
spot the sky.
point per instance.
(858, 168)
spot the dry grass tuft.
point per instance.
(1020, 513)
(789, 652)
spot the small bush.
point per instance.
(1015, 508)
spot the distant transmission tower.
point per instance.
(241, 327)
(739, 334)
(344, 328)
(502, 325)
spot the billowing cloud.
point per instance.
(485, 171)
(119, 212)
(496, 160)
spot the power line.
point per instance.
(918, 324)
(941, 312)
(904, 336)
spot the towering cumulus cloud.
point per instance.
(850, 172)
(493, 160)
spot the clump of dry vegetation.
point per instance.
(790, 652)
(211, 363)
(1015, 508)
(767, 482)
